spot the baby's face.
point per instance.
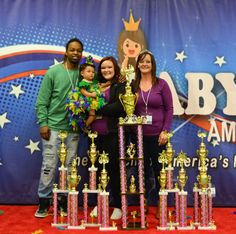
(88, 73)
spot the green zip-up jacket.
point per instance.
(51, 100)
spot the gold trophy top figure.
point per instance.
(92, 152)
(132, 187)
(104, 178)
(182, 177)
(169, 150)
(62, 152)
(163, 175)
(131, 150)
(73, 179)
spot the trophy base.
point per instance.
(108, 229)
(165, 228)
(80, 227)
(134, 226)
(59, 224)
(186, 228)
(130, 120)
(92, 224)
(212, 227)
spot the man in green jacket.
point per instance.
(52, 118)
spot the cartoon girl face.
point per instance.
(131, 48)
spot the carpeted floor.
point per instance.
(21, 220)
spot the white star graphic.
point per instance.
(31, 75)
(55, 62)
(211, 119)
(180, 56)
(214, 143)
(16, 138)
(3, 119)
(33, 146)
(220, 60)
(16, 90)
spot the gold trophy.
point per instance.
(163, 175)
(169, 155)
(182, 177)
(129, 100)
(131, 151)
(92, 152)
(132, 187)
(62, 152)
(104, 179)
(73, 179)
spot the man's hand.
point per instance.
(45, 133)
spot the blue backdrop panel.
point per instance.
(186, 37)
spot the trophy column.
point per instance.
(104, 196)
(62, 188)
(128, 100)
(205, 192)
(73, 181)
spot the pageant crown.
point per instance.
(131, 25)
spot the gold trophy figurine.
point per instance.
(182, 177)
(73, 179)
(62, 152)
(202, 152)
(163, 175)
(131, 151)
(92, 152)
(169, 150)
(132, 187)
(104, 178)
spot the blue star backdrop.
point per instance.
(185, 36)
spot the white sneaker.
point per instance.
(116, 214)
(94, 212)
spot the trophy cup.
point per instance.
(182, 177)
(169, 154)
(206, 192)
(73, 181)
(129, 100)
(62, 153)
(93, 154)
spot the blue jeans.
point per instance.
(50, 160)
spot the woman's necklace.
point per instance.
(146, 101)
(73, 85)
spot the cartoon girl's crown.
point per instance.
(87, 60)
(131, 25)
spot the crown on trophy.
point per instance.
(131, 25)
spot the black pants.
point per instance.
(109, 143)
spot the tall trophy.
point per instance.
(163, 193)
(182, 178)
(93, 154)
(104, 195)
(129, 100)
(62, 187)
(206, 192)
(62, 153)
(169, 154)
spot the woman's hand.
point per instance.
(163, 138)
